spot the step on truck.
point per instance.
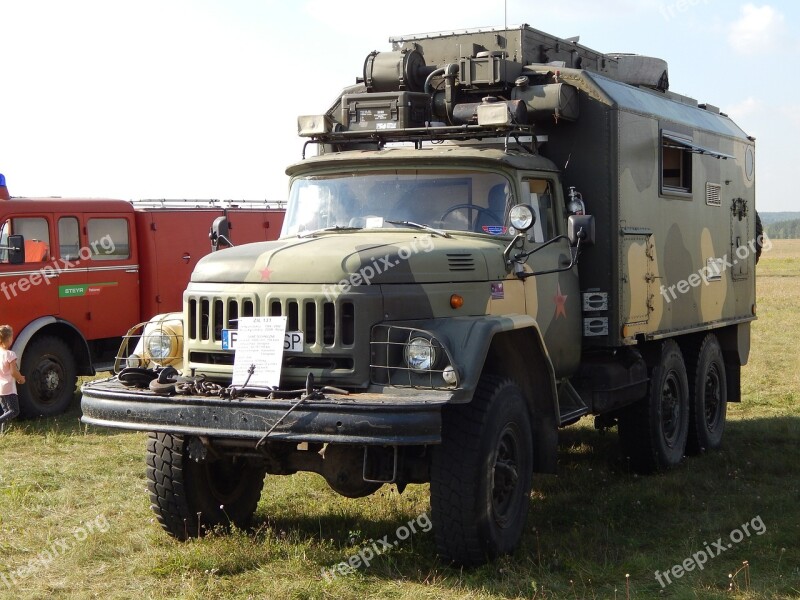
(501, 232)
(76, 273)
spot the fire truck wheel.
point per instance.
(708, 404)
(49, 368)
(190, 498)
(481, 474)
(653, 431)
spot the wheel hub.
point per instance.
(505, 475)
(49, 377)
(712, 397)
(670, 408)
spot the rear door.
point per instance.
(112, 273)
(172, 245)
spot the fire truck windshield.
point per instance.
(3, 241)
(456, 200)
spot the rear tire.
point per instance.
(708, 405)
(653, 431)
(481, 474)
(222, 491)
(49, 370)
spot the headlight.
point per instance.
(163, 342)
(522, 217)
(420, 354)
(159, 346)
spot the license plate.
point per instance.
(292, 340)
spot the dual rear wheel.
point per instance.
(684, 409)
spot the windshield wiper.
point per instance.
(324, 229)
(427, 228)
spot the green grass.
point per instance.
(588, 528)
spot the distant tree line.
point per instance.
(784, 230)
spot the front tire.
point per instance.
(654, 430)
(481, 474)
(49, 370)
(190, 498)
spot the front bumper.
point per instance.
(395, 416)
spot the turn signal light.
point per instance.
(456, 301)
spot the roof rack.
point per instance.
(433, 134)
(186, 203)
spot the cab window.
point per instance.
(69, 245)
(108, 238)
(540, 197)
(36, 231)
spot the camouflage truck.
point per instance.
(501, 232)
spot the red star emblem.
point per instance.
(265, 273)
(561, 302)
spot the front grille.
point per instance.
(329, 349)
(324, 324)
(209, 316)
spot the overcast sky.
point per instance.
(199, 98)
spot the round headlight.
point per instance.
(420, 354)
(159, 346)
(522, 217)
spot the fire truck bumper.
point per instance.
(396, 416)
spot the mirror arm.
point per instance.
(523, 255)
(573, 262)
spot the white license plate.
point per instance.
(292, 340)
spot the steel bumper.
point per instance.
(396, 416)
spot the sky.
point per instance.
(200, 98)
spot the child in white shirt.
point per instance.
(9, 377)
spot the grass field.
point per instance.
(75, 521)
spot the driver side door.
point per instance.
(552, 299)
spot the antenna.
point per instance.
(505, 14)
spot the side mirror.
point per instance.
(16, 249)
(581, 227)
(219, 232)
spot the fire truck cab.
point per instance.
(76, 273)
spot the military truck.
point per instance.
(501, 232)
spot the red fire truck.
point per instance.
(75, 274)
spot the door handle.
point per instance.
(47, 275)
(131, 270)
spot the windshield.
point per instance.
(3, 242)
(455, 200)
